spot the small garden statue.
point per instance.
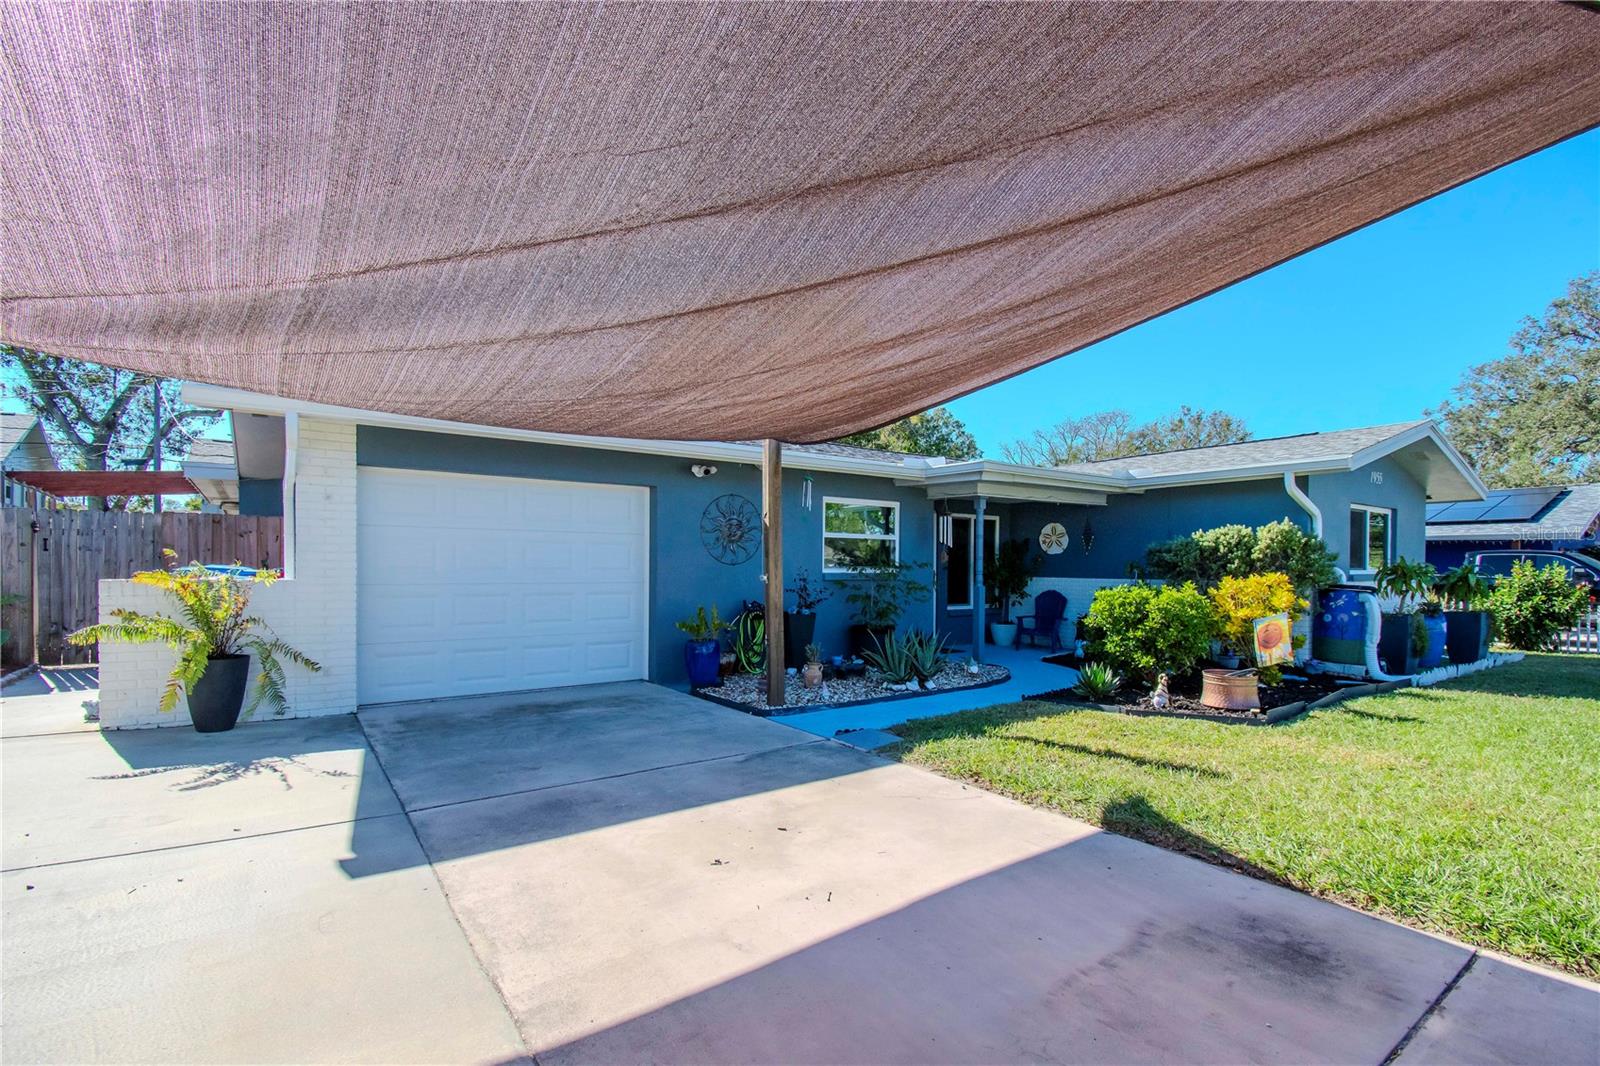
(1162, 698)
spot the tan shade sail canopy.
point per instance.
(713, 221)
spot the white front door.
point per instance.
(469, 584)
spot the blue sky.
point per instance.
(1371, 328)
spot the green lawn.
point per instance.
(1471, 808)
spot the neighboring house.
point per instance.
(432, 559)
(22, 447)
(1550, 518)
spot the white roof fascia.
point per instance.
(715, 451)
(1426, 431)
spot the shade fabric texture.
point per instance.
(722, 221)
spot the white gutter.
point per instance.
(1292, 487)
(714, 451)
(291, 446)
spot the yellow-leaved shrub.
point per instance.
(1239, 601)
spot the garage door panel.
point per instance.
(516, 584)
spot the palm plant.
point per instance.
(214, 623)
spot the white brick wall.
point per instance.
(315, 612)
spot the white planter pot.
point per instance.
(1003, 633)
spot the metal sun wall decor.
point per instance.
(730, 529)
(1053, 538)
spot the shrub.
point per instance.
(1207, 556)
(1239, 601)
(1097, 682)
(1145, 630)
(702, 626)
(1530, 606)
(1283, 547)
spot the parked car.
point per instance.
(1580, 568)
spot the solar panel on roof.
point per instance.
(1469, 510)
(1519, 505)
(1505, 505)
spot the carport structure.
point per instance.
(779, 221)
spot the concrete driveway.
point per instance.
(623, 873)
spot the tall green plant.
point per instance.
(1464, 585)
(1006, 578)
(215, 622)
(880, 594)
(1410, 582)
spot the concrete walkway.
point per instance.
(1030, 675)
(624, 874)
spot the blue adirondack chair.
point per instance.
(1049, 607)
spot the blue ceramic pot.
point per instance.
(1436, 641)
(703, 659)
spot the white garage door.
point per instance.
(490, 584)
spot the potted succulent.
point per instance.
(800, 624)
(1466, 627)
(1006, 582)
(811, 675)
(880, 595)
(702, 652)
(1407, 637)
(214, 638)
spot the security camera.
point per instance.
(702, 470)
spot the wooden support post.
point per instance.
(979, 600)
(772, 559)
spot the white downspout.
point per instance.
(1292, 487)
(291, 444)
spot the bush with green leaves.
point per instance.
(1097, 682)
(1463, 587)
(1146, 630)
(1207, 556)
(1531, 606)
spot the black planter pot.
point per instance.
(861, 637)
(798, 631)
(215, 699)
(1394, 645)
(1466, 635)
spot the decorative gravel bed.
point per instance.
(748, 692)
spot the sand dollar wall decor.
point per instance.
(1053, 538)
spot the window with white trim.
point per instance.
(958, 570)
(1371, 538)
(859, 533)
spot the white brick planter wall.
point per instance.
(315, 612)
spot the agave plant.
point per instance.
(1097, 682)
(926, 652)
(214, 622)
(892, 659)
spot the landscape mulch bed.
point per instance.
(1296, 694)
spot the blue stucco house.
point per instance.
(456, 559)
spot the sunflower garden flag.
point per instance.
(1273, 643)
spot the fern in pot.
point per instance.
(214, 636)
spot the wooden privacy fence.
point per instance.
(63, 560)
